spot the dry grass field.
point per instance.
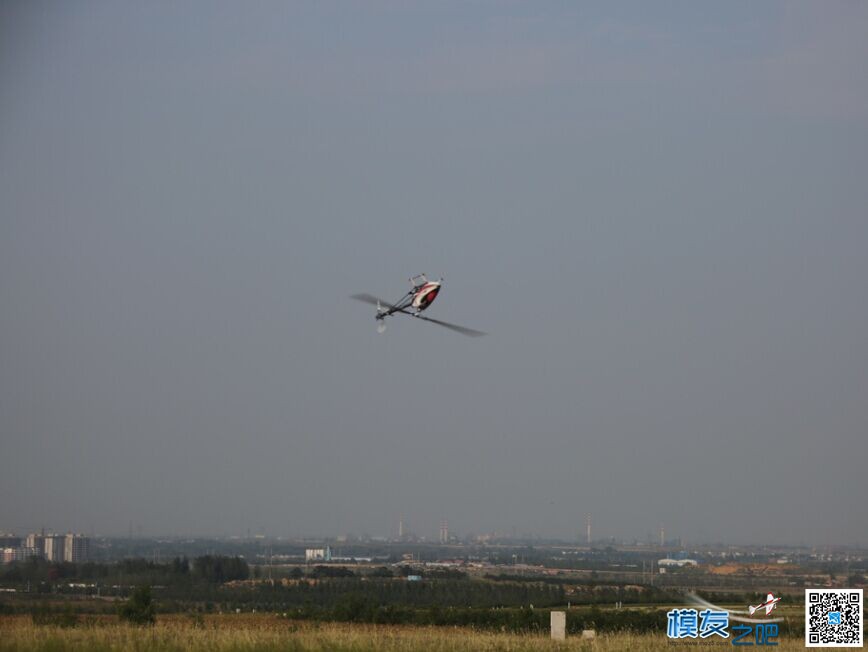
(237, 633)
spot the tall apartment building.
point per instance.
(54, 546)
(444, 531)
(76, 548)
(37, 543)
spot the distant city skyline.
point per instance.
(432, 536)
(70, 547)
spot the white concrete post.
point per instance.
(559, 625)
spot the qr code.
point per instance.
(833, 617)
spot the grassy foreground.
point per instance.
(262, 632)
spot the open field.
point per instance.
(264, 632)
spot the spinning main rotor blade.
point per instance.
(455, 327)
(374, 301)
(385, 306)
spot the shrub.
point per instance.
(139, 609)
(42, 615)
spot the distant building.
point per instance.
(318, 554)
(21, 553)
(37, 542)
(76, 548)
(54, 546)
(9, 540)
(27, 552)
(675, 563)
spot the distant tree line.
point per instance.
(356, 608)
(330, 592)
(47, 576)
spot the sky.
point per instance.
(656, 210)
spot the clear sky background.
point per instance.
(658, 210)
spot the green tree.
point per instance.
(219, 569)
(381, 571)
(139, 609)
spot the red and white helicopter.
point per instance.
(770, 603)
(413, 303)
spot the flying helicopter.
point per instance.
(418, 299)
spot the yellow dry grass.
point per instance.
(242, 633)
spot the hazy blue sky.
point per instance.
(658, 210)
